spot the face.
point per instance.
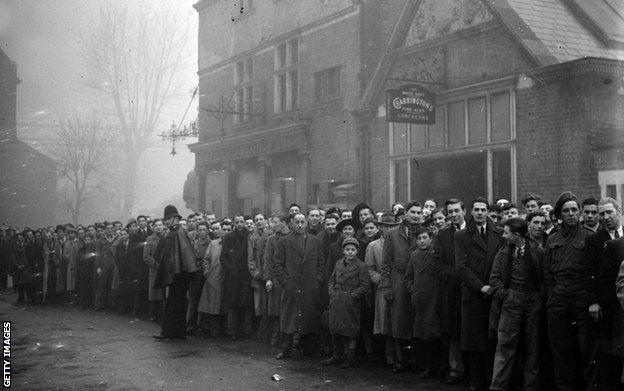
(414, 215)
(610, 216)
(81, 233)
(314, 217)
(570, 213)
(92, 231)
(537, 226)
(423, 241)
(293, 209)
(479, 212)
(183, 224)
(191, 224)
(396, 208)
(510, 237)
(456, 213)
(30, 236)
(350, 251)
(531, 206)
(345, 215)
(365, 214)
(202, 231)
(260, 221)
(322, 214)
(216, 229)
(158, 227)
(495, 216)
(439, 220)
(142, 222)
(249, 225)
(133, 227)
(430, 204)
(108, 231)
(226, 229)
(510, 213)
(370, 230)
(299, 223)
(239, 223)
(330, 225)
(210, 218)
(123, 234)
(590, 215)
(117, 226)
(502, 202)
(88, 240)
(546, 208)
(348, 231)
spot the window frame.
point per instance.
(291, 71)
(243, 84)
(322, 79)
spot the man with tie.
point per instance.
(444, 250)
(603, 256)
(475, 249)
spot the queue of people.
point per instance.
(493, 295)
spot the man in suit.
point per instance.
(299, 267)
(475, 249)
(444, 250)
(136, 243)
(605, 258)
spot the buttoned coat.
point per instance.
(152, 265)
(474, 257)
(234, 257)
(274, 297)
(255, 264)
(348, 286)
(444, 254)
(397, 250)
(611, 333)
(300, 271)
(374, 264)
(212, 300)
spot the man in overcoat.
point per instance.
(136, 243)
(475, 248)
(299, 267)
(154, 295)
(238, 293)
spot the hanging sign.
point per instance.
(412, 104)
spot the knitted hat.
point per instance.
(352, 241)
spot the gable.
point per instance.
(435, 18)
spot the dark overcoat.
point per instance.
(425, 282)
(444, 254)
(255, 264)
(175, 257)
(136, 244)
(300, 271)
(348, 286)
(397, 250)
(274, 297)
(234, 257)
(611, 328)
(474, 257)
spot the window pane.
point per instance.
(476, 121)
(294, 51)
(282, 92)
(294, 89)
(281, 56)
(400, 180)
(612, 191)
(399, 141)
(456, 125)
(417, 137)
(334, 82)
(501, 129)
(436, 131)
(501, 174)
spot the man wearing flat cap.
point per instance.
(568, 278)
(177, 266)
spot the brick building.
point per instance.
(27, 177)
(529, 97)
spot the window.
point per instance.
(243, 94)
(327, 84)
(476, 121)
(456, 125)
(287, 76)
(400, 180)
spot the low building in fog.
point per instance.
(27, 177)
(528, 98)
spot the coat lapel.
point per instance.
(476, 236)
(294, 245)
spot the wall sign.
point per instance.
(412, 104)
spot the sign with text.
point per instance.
(412, 104)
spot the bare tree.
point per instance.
(81, 149)
(135, 56)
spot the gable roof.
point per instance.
(549, 31)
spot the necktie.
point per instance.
(616, 234)
(482, 231)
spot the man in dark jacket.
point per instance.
(475, 248)
(136, 243)
(567, 276)
(516, 280)
(238, 292)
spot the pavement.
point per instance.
(59, 347)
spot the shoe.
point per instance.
(333, 360)
(398, 368)
(282, 354)
(453, 380)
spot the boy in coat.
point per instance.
(348, 285)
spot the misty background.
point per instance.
(54, 43)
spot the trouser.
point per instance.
(155, 309)
(103, 286)
(403, 351)
(239, 321)
(215, 324)
(195, 290)
(572, 338)
(480, 368)
(273, 329)
(389, 350)
(455, 357)
(174, 318)
(520, 316)
(343, 346)
(430, 354)
(25, 290)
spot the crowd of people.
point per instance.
(497, 295)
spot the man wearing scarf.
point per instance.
(177, 266)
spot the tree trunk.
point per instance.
(130, 172)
